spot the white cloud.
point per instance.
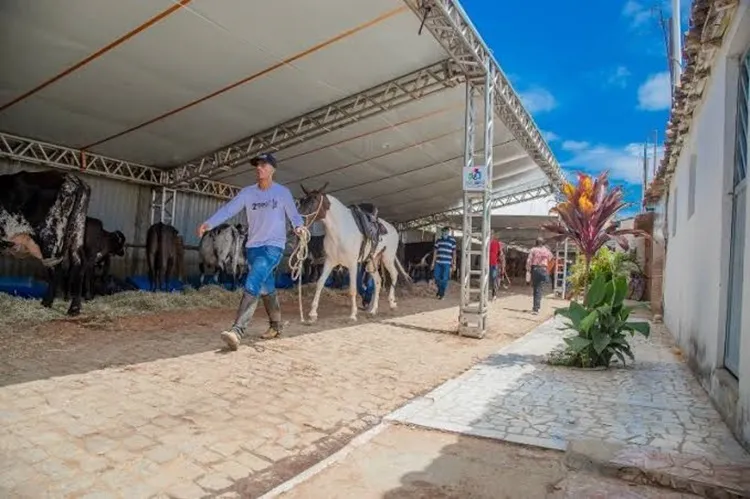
(574, 145)
(538, 100)
(619, 77)
(549, 136)
(625, 164)
(637, 14)
(655, 93)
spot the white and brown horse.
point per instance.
(342, 247)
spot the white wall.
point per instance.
(695, 277)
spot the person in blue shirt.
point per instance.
(365, 285)
(443, 261)
(266, 206)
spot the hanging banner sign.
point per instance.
(475, 178)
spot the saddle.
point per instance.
(366, 216)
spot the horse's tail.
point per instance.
(403, 273)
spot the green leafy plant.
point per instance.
(601, 324)
(605, 262)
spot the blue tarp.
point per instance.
(24, 287)
(141, 282)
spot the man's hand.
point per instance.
(202, 229)
(298, 230)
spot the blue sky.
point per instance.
(594, 76)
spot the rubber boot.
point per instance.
(271, 303)
(245, 312)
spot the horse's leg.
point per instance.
(353, 289)
(378, 284)
(390, 266)
(327, 268)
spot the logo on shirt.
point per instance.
(264, 205)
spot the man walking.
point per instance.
(266, 204)
(443, 261)
(496, 248)
(536, 270)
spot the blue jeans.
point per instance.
(442, 275)
(261, 278)
(493, 277)
(365, 290)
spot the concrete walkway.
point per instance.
(513, 397)
(649, 423)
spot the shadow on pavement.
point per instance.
(68, 347)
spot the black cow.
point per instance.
(163, 254)
(43, 215)
(98, 248)
(315, 259)
(418, 258)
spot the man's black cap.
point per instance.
(445, 229)
(265, 157)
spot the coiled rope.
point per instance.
(297, 264)
(300, 253)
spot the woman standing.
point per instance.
(536, 270)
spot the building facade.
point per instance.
(702, 192)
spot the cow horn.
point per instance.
(323, 189)
(304, 190)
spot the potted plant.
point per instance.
(601, 325)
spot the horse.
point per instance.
(342, 247)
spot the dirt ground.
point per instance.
(97, 341)
(146, 405)
(413, 463)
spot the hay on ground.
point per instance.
(15, 311)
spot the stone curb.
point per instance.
(647, 466)
(334, 458)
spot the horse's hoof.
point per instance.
(74, 311)
(312, 319)
(352, 318)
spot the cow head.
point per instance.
(314, 205)
(117, 243)
(241, 229)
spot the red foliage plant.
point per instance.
(587, 213)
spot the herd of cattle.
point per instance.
(43, 215)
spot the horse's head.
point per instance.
(314, 204)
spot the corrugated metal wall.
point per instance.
(126, 207)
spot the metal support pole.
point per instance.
(477, 210)
(565, 270)
(676, 37)
(470, 120)
(163, 205)
(489, 132)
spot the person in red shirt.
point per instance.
(496, 262)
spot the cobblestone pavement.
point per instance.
(214, 423)
(513, 397)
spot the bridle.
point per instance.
(315, 214)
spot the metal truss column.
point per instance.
(163, 202)
(476, 220)
(561, 271)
